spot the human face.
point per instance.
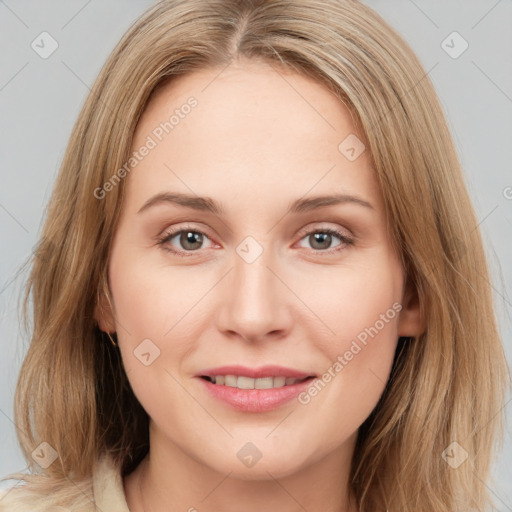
(252, 285)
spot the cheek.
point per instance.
(358, 341)
(352, 382)
(151, 299)
(354, 302)
(150, 307)
(156, 309)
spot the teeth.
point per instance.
(264, 383)
(279, 382)
(229, 380)
(242, 382)
(245, 383)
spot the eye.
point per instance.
(321, 239)
(189, 240)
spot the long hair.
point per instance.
(446, 386)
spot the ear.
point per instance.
(103, 314)
(410, 323)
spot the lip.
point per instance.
(255, 373)
(255, 400)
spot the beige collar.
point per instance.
(108, 487)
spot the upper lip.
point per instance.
(255, 373)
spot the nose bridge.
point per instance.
(254, 284)
(256, 302)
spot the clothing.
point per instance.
(104, 491)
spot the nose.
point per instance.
(257, 304)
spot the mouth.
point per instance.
(245, 382)
(254, 389)
(260, 391)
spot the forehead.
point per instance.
(259, 99)
(253, 126)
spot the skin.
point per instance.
(259, 138)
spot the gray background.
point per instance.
(40, 100)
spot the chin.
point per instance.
(248, 463)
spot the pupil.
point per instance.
(321, 238)
(191, 238)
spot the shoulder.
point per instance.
(37, 496)
(38, 493)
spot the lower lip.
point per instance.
(255, 400)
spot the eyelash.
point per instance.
(168, 236)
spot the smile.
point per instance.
(243, 382)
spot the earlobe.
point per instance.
(410, 324)
(103, 313)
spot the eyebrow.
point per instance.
(207, 204)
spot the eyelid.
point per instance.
(170, 233)
(346, 239)
(345, 233)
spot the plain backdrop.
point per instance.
(40, 99)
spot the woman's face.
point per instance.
(236, 160)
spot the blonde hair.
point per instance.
(446, 385)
